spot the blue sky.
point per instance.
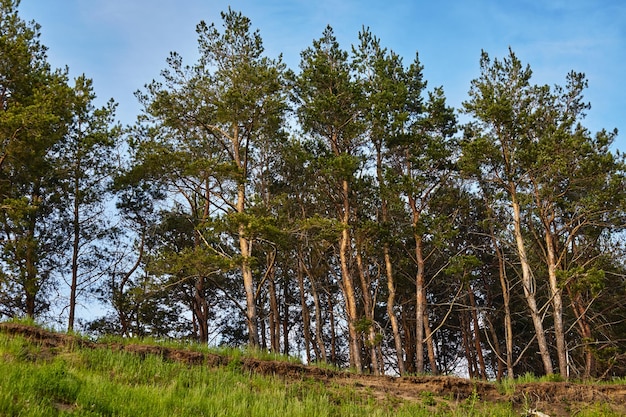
(123, 44)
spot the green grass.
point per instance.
(233, 353)
(71, 381)
(101, 382)
(529, 377)
(507, 386)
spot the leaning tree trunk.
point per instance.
(557, 303)
(347, 286)
(528, 284)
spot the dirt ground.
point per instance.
(551, 398)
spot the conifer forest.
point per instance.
(340, 211)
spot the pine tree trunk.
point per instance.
(318, 323)
(201, 311)
(31, 284)
(584, 330)
(482, 370)
(286, 303)
(421, 311)
(369, 311)
(75, 255)
(506, 297)
(391, 301)
(262, 326)
(347, 281)
(557, 304)
(528, 285)
(391, 285)
(333, 333)
(408, 327)
(306, 315)
(248, 283)
(467, 347)
(420, 307)
(430, 342)
(245, 246)
(499, 361)
(274, 316)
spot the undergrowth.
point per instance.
(73, 381)
(233, 353)
(102, 382)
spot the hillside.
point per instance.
(32, 348)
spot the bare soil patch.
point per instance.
(553, 399)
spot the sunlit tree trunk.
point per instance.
(420, 306)
(528, 283)
(245, 245)
(547, 217)
(347, 286)
(557, 304)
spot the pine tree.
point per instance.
(34, 117)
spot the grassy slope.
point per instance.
(40, 378)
